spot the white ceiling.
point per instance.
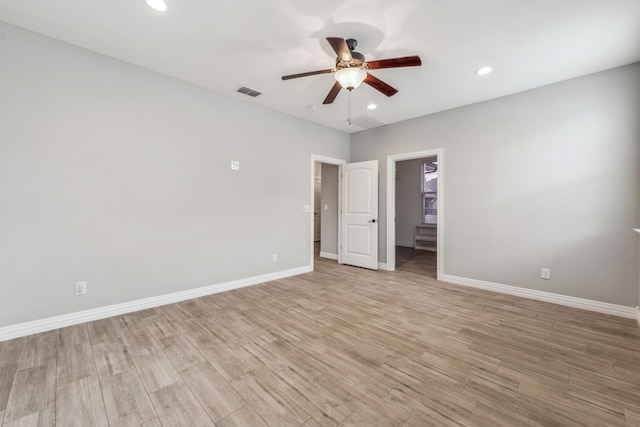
(223, 45)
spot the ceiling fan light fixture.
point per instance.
(158, 5)
(350, 78)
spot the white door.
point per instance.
(359, 215)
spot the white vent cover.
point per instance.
(366, 122)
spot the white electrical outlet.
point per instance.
(545, 273)
(275, 257)
(81, 288)
(235, 166)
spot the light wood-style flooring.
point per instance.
(339, 346)
(416, 261)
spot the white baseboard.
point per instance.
(638, 314)
(42, 325)
(382, 266)
(405, 244)
(585, 304)
(328, 255)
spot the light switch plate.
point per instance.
(235, 166)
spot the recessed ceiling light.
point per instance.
(484, 71)
(158, 5)
(372, 107)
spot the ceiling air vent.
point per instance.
(366, 122)
(249, 91)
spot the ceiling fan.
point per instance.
(351, 69)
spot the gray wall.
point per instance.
(329, 218)
(544, 178)
(121, 177)
(408, 199)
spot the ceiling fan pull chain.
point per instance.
(349, 107)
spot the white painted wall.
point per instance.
(329, 219)
(408, 199)
(121, 177)
(560, 185)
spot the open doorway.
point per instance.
(317, 205)
(418, 227)
(416, 222)
(325, 212)
(325, 207)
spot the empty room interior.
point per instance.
(336, 213)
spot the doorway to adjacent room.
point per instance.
(416, 227)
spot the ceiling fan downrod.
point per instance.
(351, 44)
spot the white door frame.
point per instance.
(391, 205)
(332, 161)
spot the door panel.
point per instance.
(358, 240)
(360, 214)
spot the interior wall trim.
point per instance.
(55, 322)
(638, 314)
(407, 244)
(585, 304)
(328, 255)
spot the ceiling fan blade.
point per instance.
(308, 73)
(406, 61)
(332, 93)
(340, 47)
(379, 85)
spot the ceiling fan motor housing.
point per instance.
(356, 56)
(357, 59)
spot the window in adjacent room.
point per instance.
(430, 192)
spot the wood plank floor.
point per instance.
(339, 346)
(416, 261)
